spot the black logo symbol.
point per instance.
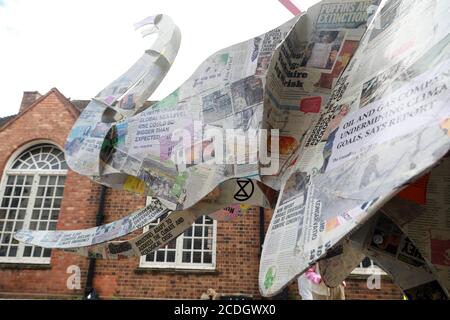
(246, 189)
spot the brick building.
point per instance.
(38, 191)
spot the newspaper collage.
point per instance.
(384, 125)
(407, 237)
(335, 111)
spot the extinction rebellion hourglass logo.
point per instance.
(245, 191)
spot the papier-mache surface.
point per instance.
(338, 110)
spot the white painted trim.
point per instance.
(26, 146)
(32, 198)
(367, 271)
(27, 260)
(179, 253)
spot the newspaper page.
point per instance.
(397, 249)
(173, 224)
(202, 134)
(224, 195)
(397, 254)
(430, 230)
(402, 116)
(96, 235)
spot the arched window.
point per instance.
(31, 193)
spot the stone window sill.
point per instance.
(24, 266)
(141, 270)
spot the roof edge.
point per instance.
(66, 102)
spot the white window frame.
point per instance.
(368, 271)
(178, 264)
(19, 259)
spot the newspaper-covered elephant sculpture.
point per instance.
(329, 119)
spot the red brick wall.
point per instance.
(357, 290)
(237, 254)
(236, 259)
(51, 120)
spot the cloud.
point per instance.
(80, 46)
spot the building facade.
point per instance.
(39, 192)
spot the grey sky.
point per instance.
(79, 46)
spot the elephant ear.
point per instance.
(378, 133)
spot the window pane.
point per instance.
(12, 251)
(198, 231)
(150, 257)
(187, 257)
(21, 215)
(197, 257)
(43, 180)
(23, 202)
(37, 252)
(29, 181)
(35, 214)
(59, 192)
(366, 263)
(208, 220)
(48, 203)
(45, 214)
(40, 192)
(47, 252)
(42, 225)
(208, 231)
(56, 203)
(6, 238)
(18, 226)
(207, 257)
(160, 256)
(12, 214)
(27, 251)
(188, 232)
(5, 202)
(8, 191)
(38, 203)
(197, 244)
(54, 215)
(207, 244)
(14, 203)
(187, 244)
(17, 191)
(170, 256)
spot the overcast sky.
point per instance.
(80, 46)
